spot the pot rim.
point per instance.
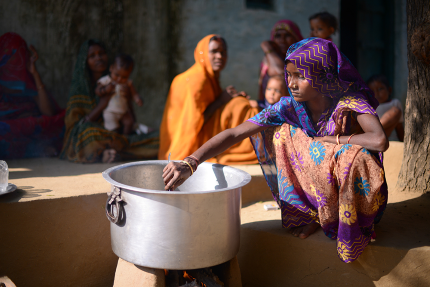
(106, 176)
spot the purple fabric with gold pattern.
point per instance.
(341, 187)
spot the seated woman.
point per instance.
(31, 123)
(197, 108)
(86, 140)
(320, 149)
(284, 33)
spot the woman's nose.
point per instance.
(290, 84)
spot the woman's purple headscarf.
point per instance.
(331, 73)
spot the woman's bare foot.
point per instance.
(305, 230)
(109, 155)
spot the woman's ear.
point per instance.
(390, 90)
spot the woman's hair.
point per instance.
(92, 42)
(327, 18)
(380, 78)
(219, 38)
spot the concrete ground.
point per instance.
(54, 233)
(400, 256)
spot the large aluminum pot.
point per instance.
(195, 226)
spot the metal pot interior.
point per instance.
(146, 176)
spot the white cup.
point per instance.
(4, 176)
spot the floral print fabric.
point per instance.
(337, 186)
(341, 187)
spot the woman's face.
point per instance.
(300, 88)
(217, 55)
(97, 59)
(284, 40)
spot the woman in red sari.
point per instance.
(31, 123)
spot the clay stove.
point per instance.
(223, 275)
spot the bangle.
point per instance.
(337, 139)
(349, 138)
(193, 157)
(268, 52)
(192, 171)
(191, 162)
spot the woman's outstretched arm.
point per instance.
(373, 138)
(174, 174)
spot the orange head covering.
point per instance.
(190, 94)
(183, 128)
(201, 56)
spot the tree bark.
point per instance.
(415, 171)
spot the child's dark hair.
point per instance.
(124, 61)
(327, 18)
(380, 78)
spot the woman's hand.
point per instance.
(253, 103)
(228, 94)
(31, 67)
(266, 46)
(175, 174)
(270, 46)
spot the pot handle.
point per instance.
(114, 199)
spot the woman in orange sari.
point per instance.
(197, 108)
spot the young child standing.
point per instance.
(389, 111)
(275, 90)
(323, 25)
(119, 111)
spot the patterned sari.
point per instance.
(341, 187)
(24, 131)
(85, 141)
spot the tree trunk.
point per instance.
(415, 171)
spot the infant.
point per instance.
(275, 90)
(119, 111)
